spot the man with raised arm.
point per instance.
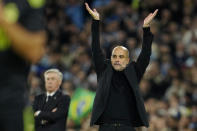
(118, 105)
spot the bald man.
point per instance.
(118, 105)
(120, 58)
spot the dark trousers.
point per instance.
(11, 122)
(11, 110)
(115, 128)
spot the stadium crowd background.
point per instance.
(169, 86)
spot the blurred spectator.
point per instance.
(22, 42)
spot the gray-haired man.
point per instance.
(51, 108)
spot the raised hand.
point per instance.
(93, 13)
(149, 18)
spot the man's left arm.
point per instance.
(60, 111)
(144, 57)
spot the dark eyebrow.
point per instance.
(121, 56)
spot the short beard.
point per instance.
(121, 69)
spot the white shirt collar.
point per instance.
(51, 94)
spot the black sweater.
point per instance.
(121, 105)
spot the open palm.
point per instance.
(149, 18)
(93, 12)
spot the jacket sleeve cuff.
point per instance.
(95, 21)
(146, 29)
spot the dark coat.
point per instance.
(134, 72)
(56, 121)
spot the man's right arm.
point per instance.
(98, 56)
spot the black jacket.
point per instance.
(134, 72)
(56, 121)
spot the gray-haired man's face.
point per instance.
(52, 82)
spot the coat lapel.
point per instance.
(52, 102)
(43, 101)
(131, 75)
(102, 94)
(106, 90)
(132, 78)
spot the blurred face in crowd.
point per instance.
(120, 58)
(52, 82)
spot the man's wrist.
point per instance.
(146, 26)
(96, 18)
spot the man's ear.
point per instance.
(60, 82)
(128, 60)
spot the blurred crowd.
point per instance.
(169, 86)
